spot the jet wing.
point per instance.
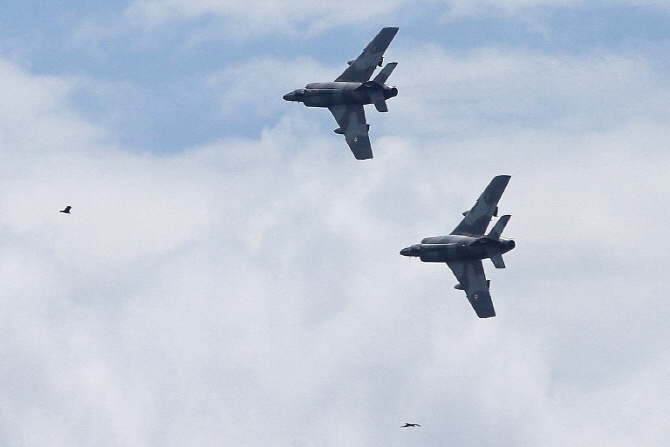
(364, 65)
(477, 219)
(470, 275)
(352, 123)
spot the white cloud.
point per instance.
(503, 90)
(460, 8)
(43, 106)
(257, 86)
(250, 291)
(264, 17)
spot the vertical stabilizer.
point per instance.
(385, 73)
(498, 228)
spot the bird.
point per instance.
(407, 424)
(66, 210)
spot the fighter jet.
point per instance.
(468, 244)
(66, 210)
(351, 90)
(408, 424)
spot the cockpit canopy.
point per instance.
(295, 95)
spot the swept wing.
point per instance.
(477, 219)
(471, 277)
(351, 119)
(364, 65)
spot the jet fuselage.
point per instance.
(328, 94)
(457, 248)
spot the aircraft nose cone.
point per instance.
(295, 95)
(405, 251)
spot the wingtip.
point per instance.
(501, 181)
(364, 157)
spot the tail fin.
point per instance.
(383, 75)
(376, 86)
(493, 250)
(498, 228)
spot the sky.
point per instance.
(230, 274)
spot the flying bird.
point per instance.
(66, 210)
(407, 424)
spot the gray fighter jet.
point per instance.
(468, 244)
(346, 96)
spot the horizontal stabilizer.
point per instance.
(385, 73)
(497, 259)
(378, 100)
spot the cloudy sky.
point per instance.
(230, 274)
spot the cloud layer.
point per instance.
(248, 290)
